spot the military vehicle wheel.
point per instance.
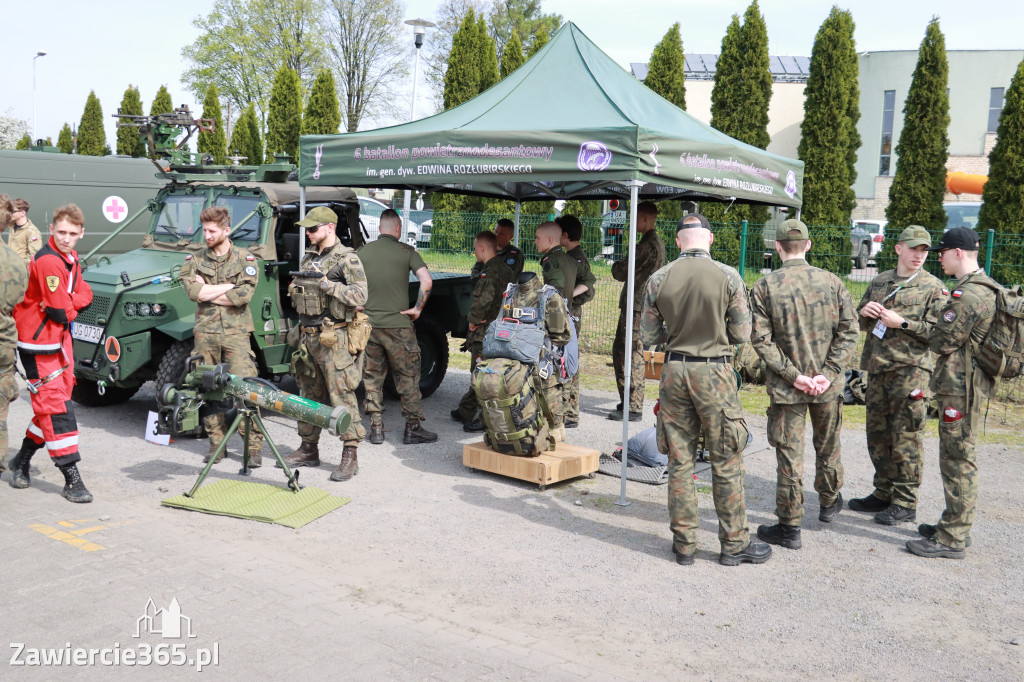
(86, 393)
(433, 358)
(861, 261)
(168, 372)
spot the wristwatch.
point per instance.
(904, 324)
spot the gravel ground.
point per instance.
(570, 566)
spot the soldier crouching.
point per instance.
(328, 365)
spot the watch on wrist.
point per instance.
(904, 324)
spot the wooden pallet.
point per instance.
(565, 462)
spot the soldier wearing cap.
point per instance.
(897, 311)
(805, 329)
(697, 307)
(961, 388)
(329, 324)
(222, 280)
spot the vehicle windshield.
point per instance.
(962, 215)
(179, 218)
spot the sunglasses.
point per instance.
(315, 228)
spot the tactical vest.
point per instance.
(305, 293)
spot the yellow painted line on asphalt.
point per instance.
(71, 538)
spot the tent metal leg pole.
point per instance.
(515, 239)
(634, 188)
(302, 214)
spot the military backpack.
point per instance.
(1001, 353)
(518, 419)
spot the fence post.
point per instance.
(989, 243)
(743, 248)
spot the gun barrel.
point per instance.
(335, 419)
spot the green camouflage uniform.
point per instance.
(335, 374)
(25, 241)
(961, 389)
(12, 291)
(387, 263)
(510, 256)
(583, 276)
(222, 332)
(898, 363)
(559, 271)
(700, 395)
(650, 256)
(493, 278)
(804, 322)
(556, 320)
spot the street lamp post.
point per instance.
(41, 53)
(419, 30)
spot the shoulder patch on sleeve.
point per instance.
(957, 293)
(250, 270)
(945, 291)
(34, 238)
(511, 261)
(353, 260)
(949, 316)
(250, 257)
(188, 257)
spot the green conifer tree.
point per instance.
(284, 120)
(246, 139)
(162, 103)
(827, 133)
(1003, 195)
(213, 143)
(666, 72)
(128, 141)
(512, 58)
(65, 140)
(462, 78)
(92, 140)
(25, 142)
(918, 188)
(322, 116)
(488, 57)
(540, 39)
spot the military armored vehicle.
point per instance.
(139, 325)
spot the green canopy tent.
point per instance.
(568, 124)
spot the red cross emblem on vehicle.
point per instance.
(115, 209)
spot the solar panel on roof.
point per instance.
(789, 65)
(775, 65)
(804, 63)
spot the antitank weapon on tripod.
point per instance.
(204, 390)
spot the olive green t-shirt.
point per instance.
(387, 263)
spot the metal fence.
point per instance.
(747, 247)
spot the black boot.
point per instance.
(19, 465)
(415, 433)
(780, 534)
(74, 489)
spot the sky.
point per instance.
(105, 46)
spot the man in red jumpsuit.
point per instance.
(56, 292)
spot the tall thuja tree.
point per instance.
(462, 79)
(92, 140)
(666, 72)
(540, 39)
(1003, 195)
(215, 142)
(129, 143)
(488, 57)
(828, 132)
(66, 140)
(512, 57)
(322, 116)
(25, 142)
(246, 139)
(285, 118)
(162, 103)
(917, 190)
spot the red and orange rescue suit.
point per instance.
(56, 292)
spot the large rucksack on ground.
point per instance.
(1001, 352)
(517, 416)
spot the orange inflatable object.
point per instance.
(965, 183)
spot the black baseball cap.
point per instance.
(958, 238)
(683, 225)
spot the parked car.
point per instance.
(866, 238)
(962, 214)
(369, 215)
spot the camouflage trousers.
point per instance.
(636, 377)
(398, 350)
(895, 432)
(958, 463)
(696, 397)
(8, 394)
(233, 349)
(786, 422)
(468, 405)
(335, 377)
(571, 388)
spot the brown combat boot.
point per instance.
(349, 465)
(415, 433)
(307, 455)
(209, 453)
(255, 459)
(376, 433)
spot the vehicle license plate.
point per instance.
(86, 332)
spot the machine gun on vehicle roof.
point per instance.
(160, 133)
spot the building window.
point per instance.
(995, 107)
(888, 112)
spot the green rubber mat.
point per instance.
(259, 502)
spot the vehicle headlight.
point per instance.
(144, 309)
(130, 309)
(159, 308)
